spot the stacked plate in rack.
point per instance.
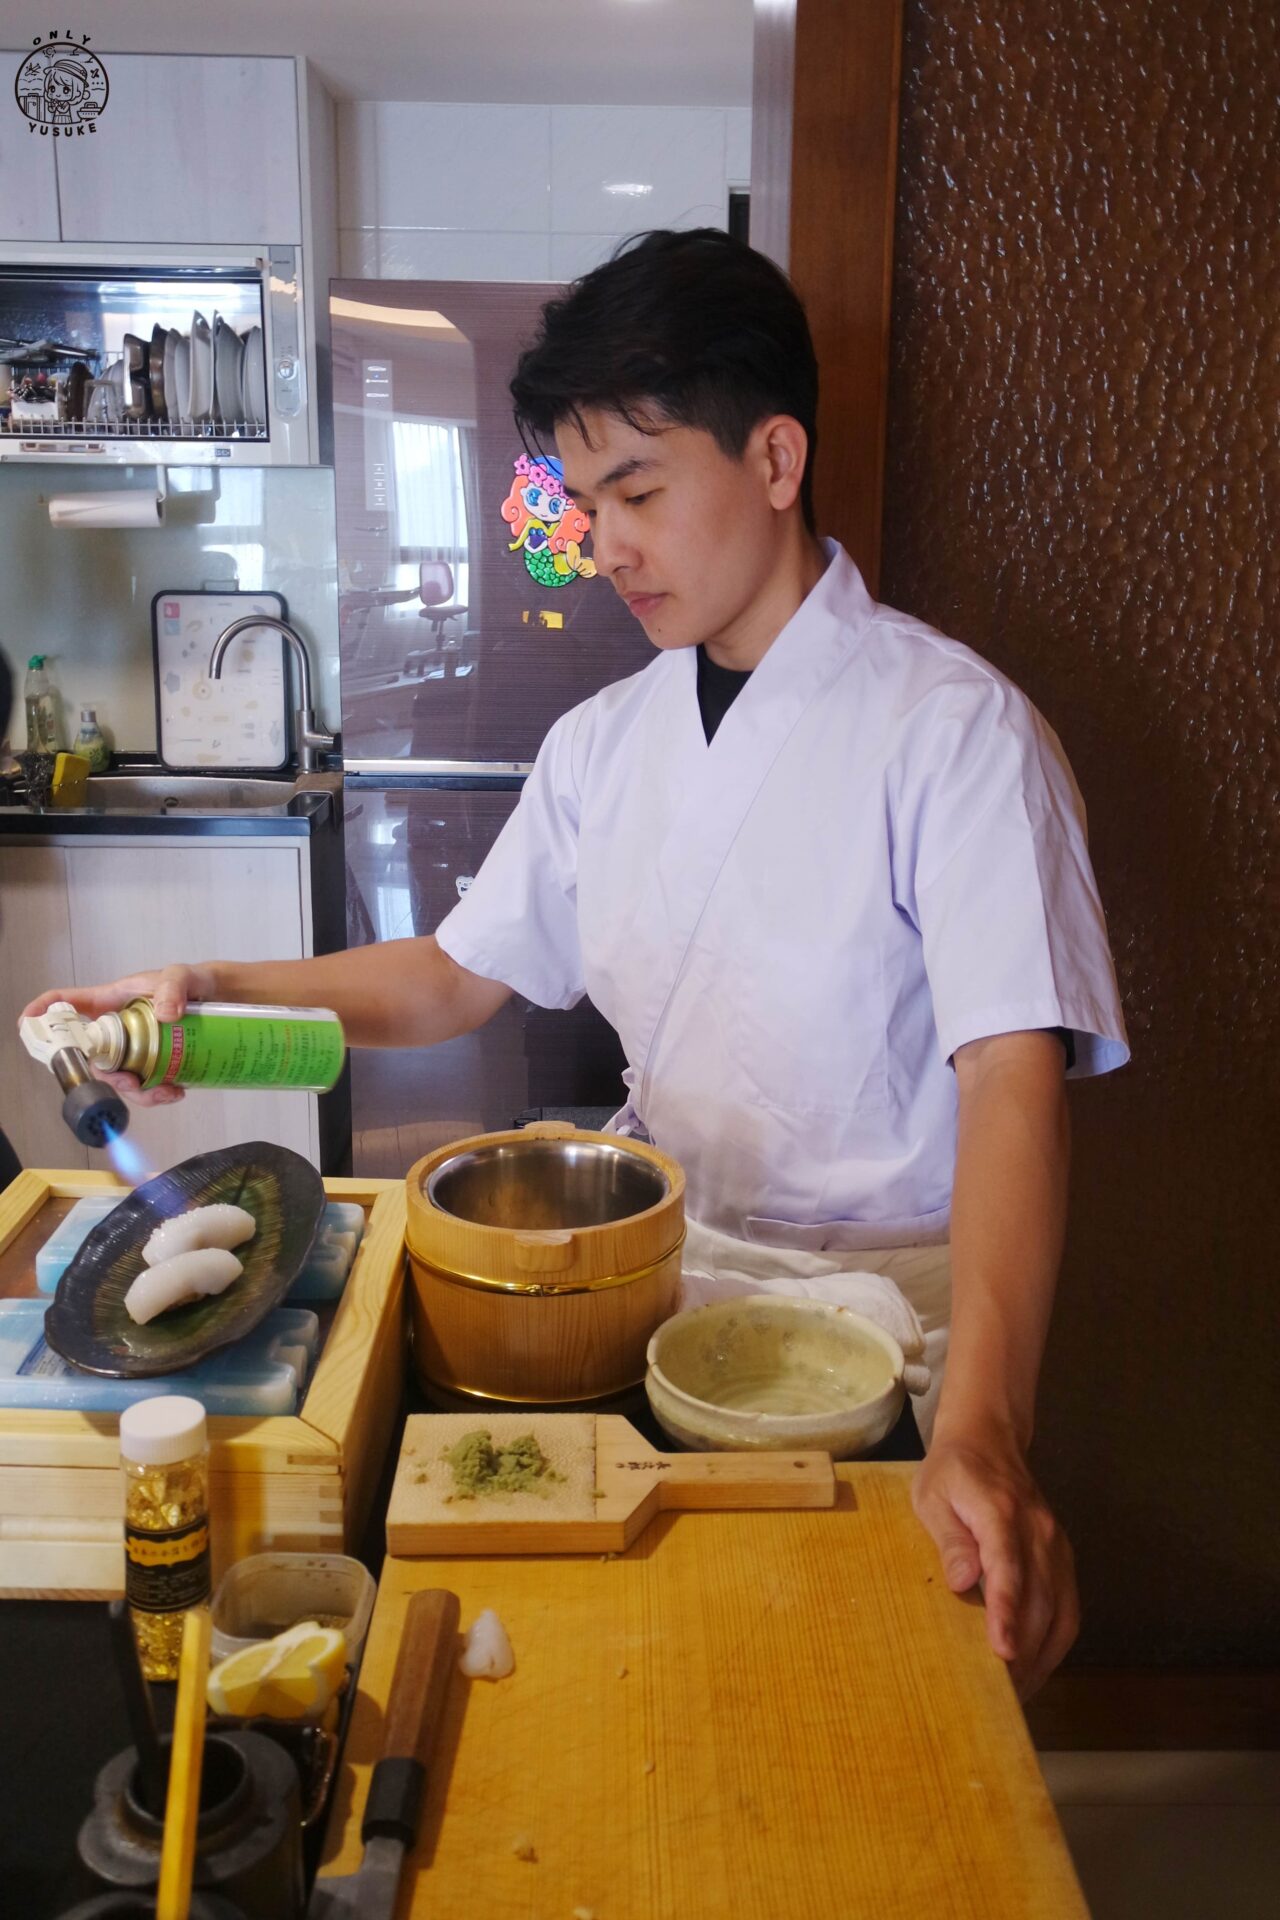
(254, 379)
(228, 359)
(210, 374)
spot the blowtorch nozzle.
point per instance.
(64, 1041)
(94, 1111)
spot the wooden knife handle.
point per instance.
(424, 1668)
(424, 1665)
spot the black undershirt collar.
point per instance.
(718, 688)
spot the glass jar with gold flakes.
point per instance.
(164, 1450)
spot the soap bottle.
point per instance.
(42, 708)
(90, 744)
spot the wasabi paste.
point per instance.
(479, 1467)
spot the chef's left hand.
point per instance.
(991, 1523)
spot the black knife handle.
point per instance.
(394, 1805)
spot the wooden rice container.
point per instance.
(545, 1318)
(303, 1482)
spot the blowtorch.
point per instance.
(61, 1039)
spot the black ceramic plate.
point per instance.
(159, 398)
(87, 1322)
(79, 381)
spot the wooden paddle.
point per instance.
(603, 1485)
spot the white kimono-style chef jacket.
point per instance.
(880, 856)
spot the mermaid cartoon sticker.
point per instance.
(547, 525)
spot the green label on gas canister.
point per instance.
(251, 1047)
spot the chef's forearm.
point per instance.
(1008, 1219)
(399, 993)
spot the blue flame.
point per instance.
(127, 1157)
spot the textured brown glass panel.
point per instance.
(1083, 481)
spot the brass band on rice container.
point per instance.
(541, 1262)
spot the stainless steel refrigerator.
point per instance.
(470, 618)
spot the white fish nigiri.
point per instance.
(216, 1226)
(185, 1277)
(486, 1652)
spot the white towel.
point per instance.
(718, 1267)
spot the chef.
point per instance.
(823, 869)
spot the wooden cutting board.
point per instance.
(748, 1716)
(604, 1485)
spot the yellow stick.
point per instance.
(186, 1760)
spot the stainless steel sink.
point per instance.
(210, 795)
(186, 793)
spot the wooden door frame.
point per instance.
(824, 155)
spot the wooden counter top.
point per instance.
(809, 1725)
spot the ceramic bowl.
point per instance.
(769, 1372)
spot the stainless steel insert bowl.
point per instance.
(535, 1185)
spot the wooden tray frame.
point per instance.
(302, 1482)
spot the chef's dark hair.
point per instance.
(696, 329)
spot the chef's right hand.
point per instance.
(168, 989)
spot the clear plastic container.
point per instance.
(262, 1595)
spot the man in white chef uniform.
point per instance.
(823, 869)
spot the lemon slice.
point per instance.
(293, 1677)
(235, 1682)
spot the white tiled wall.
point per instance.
(448, 192)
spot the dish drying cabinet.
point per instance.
(155, 358)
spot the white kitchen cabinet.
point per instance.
(92, 910)
(35, 952)
(28, 180)
(191, 149)
(192, 152)
(136, 907)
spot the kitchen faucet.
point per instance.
(311, 742)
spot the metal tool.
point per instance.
(153, 1768)
(424, 1666)
(15, 351)
(93, 1110)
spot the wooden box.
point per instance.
(303, 1482)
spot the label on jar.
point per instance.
(167, 1571)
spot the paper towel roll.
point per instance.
(129, 507)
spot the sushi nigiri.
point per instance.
(217, 1226)
(185, 1277)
